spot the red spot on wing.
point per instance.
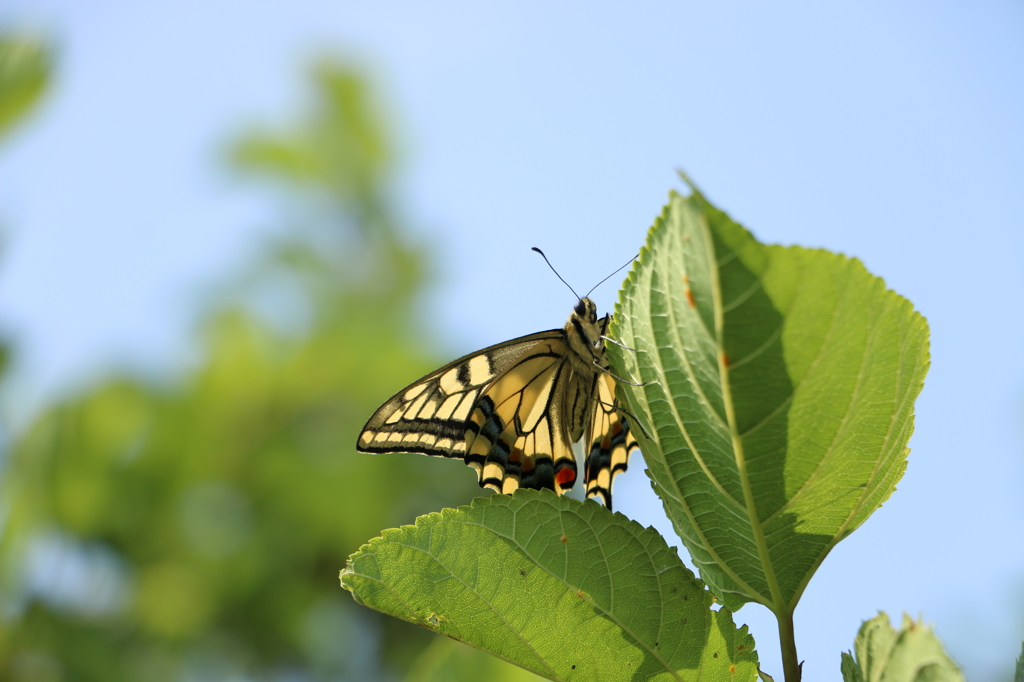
(565, 477)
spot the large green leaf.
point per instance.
(777, 396)
(913, 654)
(560, 587)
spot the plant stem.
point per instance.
(787, 642)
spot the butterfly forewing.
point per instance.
(512, 411)
(430, 416)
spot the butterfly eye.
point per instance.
(581, 308)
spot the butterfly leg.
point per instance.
(608, 338)
(618, 407)
(618, 378)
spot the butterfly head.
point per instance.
(584, 330)
(586, 311)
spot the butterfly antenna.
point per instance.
(559, 276)
(612, 275)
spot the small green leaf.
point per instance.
(24, 74)
(848, 668)
(563, 588)
(778, 392)
(914, 654)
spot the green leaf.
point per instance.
(913, 654)
(1018, 676)
(24, 74)
(777, 396)
(563, 588)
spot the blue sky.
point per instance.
(887, 131)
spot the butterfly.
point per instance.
(513, 411)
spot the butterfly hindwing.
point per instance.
(516, 437)
(609, 442)
(512, 411)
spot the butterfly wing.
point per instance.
(516, 435)
(609, 441)
(497, 409)
(512, 411)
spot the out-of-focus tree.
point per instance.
(25, 65)
(195, 530)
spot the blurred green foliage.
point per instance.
(445, 661)
(196, 530)
(25, 65)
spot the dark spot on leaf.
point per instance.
(565, 539)
(715, 654)
(689, 298)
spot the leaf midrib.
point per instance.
(737, 442)
(680, 498)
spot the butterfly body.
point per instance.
(512, 411)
